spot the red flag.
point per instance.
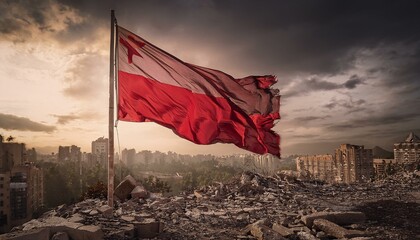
(200, 104)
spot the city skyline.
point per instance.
(347, 72)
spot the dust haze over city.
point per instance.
(349, 79)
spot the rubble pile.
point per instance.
(251, 206)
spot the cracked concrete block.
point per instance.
(139, 192)
(106, 211)
(148, 228)
(123, 190)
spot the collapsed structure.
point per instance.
(351, 163)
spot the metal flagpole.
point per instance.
(111, 117)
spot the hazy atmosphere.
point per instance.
(348, 72)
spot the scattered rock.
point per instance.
(139, 192)
(334, 230)
(38, 234)
(261, 231)
(106, 211)
(60, 236)
(306, 236)
(284, 231)
(148, 228)
(77, 218)
(341, 218)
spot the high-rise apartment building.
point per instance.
(128, 156)
(100, 150)
(63, 153)
(21, 186)
(26, 192)
(5, 201)
(13, 153)
(69, 153)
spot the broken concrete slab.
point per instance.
(106, 211)
(340, 218)
(77, 218)
(261, 231)
(60, 236)
(127, 218)
(306, 236)
(284, 231)
(334, 230)
(91, 232)
(123, 190)
(38, 234)
(148, 228)
(139, 192)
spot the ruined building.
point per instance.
(320, 167)
(383, 167)
(408, 152)
(351, 163)
(354, 163)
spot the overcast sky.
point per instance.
(348, 71)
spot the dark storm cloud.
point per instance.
(311, 118)
(12, 122)
(348, 104)
(403, 72)
(317, 37)
(283, 37)
(315, 84)
(23, 21)
(369, 121)
(353, 82)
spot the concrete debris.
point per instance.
(106, 211)
(334, 230)
(306, 236)
(261, 231)
(123, 190)
(148, 228)
(251, 206)
(341, 218)
(60, 236)
(139, 192)
(39, 234)
(284, 231)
